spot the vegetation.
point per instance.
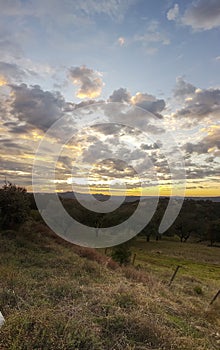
(55, 295)
(14, 205)
(198, 220)
(122, 253)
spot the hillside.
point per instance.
(58, 296)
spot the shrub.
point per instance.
(198, 290)
(14, 205)
(122, 254)
(125, 300)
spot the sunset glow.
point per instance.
(134, 85)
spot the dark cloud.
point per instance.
(149, 103)
(201, 104)
(183, 89)
(202, 172)
(10, 144)
(211, 141)
(18, 129)
(67, 163)
(199, 148)
(107, 128)
(148, 147)
(143, 100)
(89, 81)
(154, 129)
(203, 15)
(200, 15)
(7, 165)
(35, 106)
(115, 129)
(12, 72)
(95, 152)
(120, 95)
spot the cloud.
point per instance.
(209, 144)
(121, 41)
(200, 15)
(11, 72)
(35, 106)
(115, 129)
(107, 128)
(203, 15)
(149, 103)
(142, 100)
(114, 168)
(98, 150)
(153, 35)
(183, 89)
(9, 46)
(120, 95)
(15, 128)
(149, 147)
(199, 104)
(89, 81)
(3, 80)
(115, 9)
(173, 13)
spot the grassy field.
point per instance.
(196, 260)
(58, 296)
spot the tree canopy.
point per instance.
(14, 205)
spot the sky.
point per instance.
(126, 91)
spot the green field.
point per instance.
(54, 295)
(196, 260)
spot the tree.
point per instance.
(122, 253)
(214, 231)
(151, 229)
(14, 205)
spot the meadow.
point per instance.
(55, 295)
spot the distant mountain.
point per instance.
(102, 197)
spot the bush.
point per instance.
(198, 290)
(125, 300)
(122, 254)
(14, 205)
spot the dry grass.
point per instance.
(58, 296)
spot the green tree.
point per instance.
(14, 205)
(122, 253)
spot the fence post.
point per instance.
(215, 297)
(133, 260)
(174, 275)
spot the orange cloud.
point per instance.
(121, 41)
(3, 81)
(89, 81)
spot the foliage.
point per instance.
(122, 253)
(14, 205)
(214, 231)
(196, 220)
